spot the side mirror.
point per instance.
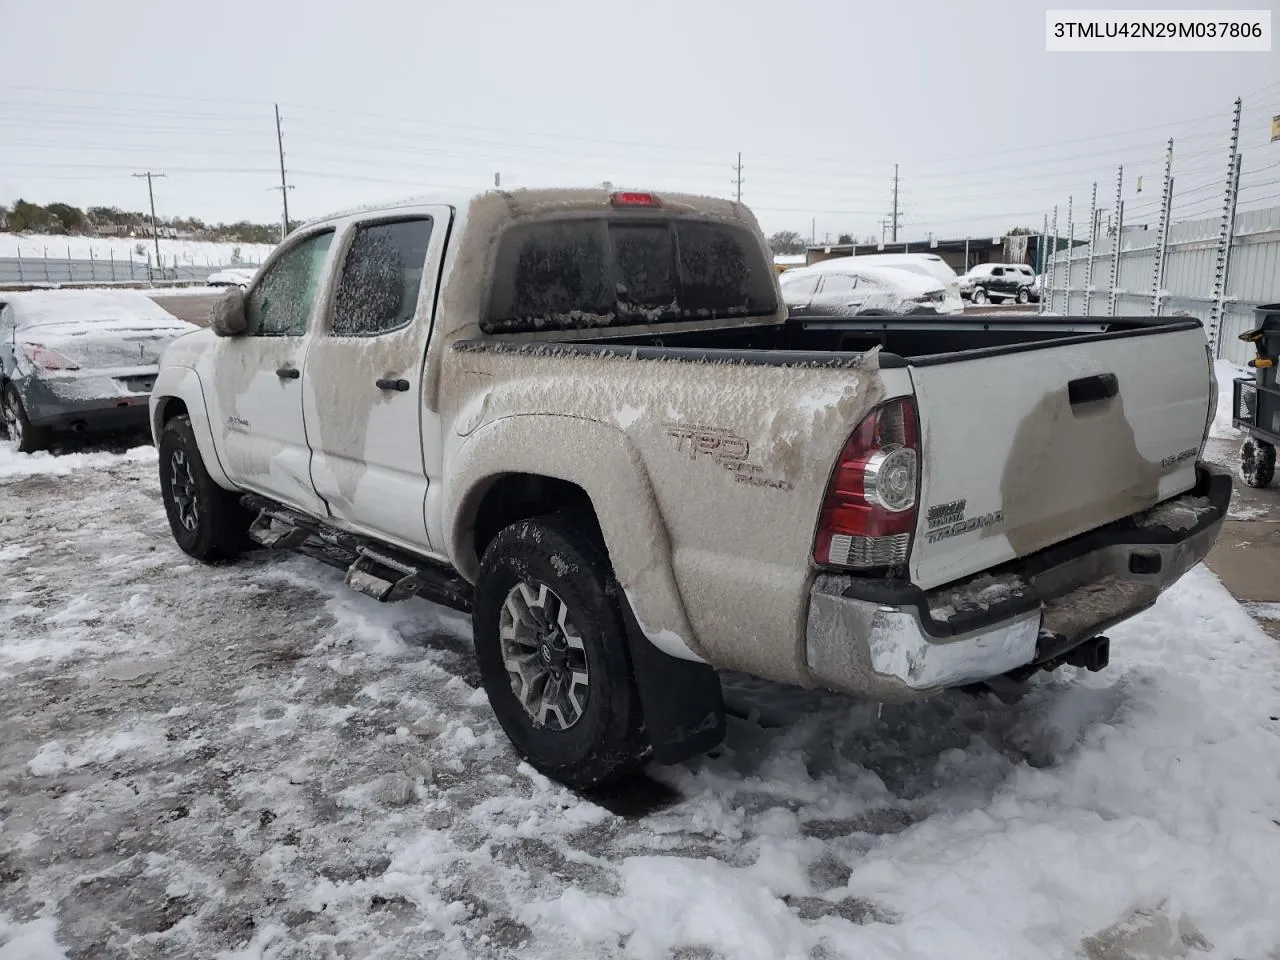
(227, 316)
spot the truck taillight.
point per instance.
(869, 512)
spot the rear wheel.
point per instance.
(22, 434)
(979, 296)
(207, 521)
(1257, 462)
(552, 650)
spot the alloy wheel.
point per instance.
(544, 654)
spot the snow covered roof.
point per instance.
(790, 259)
(43, 308)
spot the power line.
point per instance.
(435, 125)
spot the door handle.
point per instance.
(288, 373)
(1104, 386)
(388, 384)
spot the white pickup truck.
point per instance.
(585, 418)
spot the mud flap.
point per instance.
(682, 701)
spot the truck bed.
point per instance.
(1033, 430)
(917, 341)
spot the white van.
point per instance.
(928, 264)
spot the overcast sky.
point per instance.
(385, 98)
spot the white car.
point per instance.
(845, 287)
(232, 277)
(925, 264)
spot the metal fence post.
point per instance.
(93, 274)
(1071, 250)
(1113, 293)
(1222, 259)
(45, 248)
(1040, 264)
(21, 278)
(1051, 276)
(1162, 232)
(112, 252)
(1093, 236)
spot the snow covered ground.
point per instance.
(1227, 372)
(247, 762)
(122, 249)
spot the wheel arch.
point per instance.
(495, 468)
(178, 391)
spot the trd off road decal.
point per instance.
(725, 449)
(947, 520)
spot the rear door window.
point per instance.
(381, 277)
(597, 271)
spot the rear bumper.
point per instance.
(75, 408)
(891, 641)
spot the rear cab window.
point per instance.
(611, 269)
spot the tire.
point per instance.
(207, 521)
(583, 735)
(1257, 463)
(979, 296)
(1024, 296)
(25, 437)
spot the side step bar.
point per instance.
(374, 569)
(384, 578)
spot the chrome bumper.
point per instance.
(891, 641)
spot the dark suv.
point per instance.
(998, 282)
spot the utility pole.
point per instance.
(813, 231)
(738, 178)
(155, 228)
(284, 185)
(895, 203)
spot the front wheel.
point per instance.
(207, 521)
(25, 437)
(979, 296)
(1257, 462)
(552, 650)
(1024, 296)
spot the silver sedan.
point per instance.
(79, 361)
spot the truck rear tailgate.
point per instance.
(1026, 447)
